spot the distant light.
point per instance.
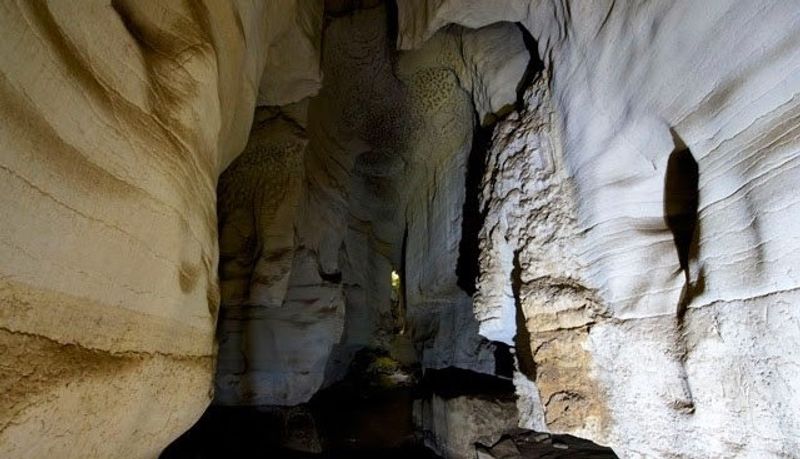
(395, 279)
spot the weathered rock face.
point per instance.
(636, 220)
(653, 270)
(453, 425)
(533, 290)
(115, 119)
(280, 319)
(380, 188)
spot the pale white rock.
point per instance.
(383, 172)
(455, 73)
(280, 319)
(533, 291)
(529, 403)
(260, 195)
(495, 61)
(418, 20)
(370, 131)
(631, 84)
(282, 351)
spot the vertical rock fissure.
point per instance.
(522, 339)
(468, 265)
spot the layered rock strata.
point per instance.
(654, 278)
(636, 224)
(116, 118)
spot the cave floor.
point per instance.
(367, 415)
(258, 432)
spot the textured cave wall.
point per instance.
(116, 118)
(638, 322)
(342, 278)
(383, 174)
(458, 80)
(652, 328)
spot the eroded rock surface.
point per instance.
(453, 426)
(636, 226)
(380, 189)
(116, 119)
(665, 311)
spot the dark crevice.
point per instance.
(473, 217)
(454, 382)
(681, 198)
(403, 294)
(392, 22)
(503, 360)
(333, 278)
(522, 339)
(534, 69)
(468, 265)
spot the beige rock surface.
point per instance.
(115, 119)
(292, 70)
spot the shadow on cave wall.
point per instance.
(681, 199)
(472, 218)
(468, 266)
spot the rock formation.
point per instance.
(625, 321)
(117, 118)
(381, 185)
(592, 200)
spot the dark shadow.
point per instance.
(454, 382)
(392, 22)
(332, 278)
(530, 444)
(534, 69)
(681, 198)
(473, 216)
(503, 360)
(365, 415)
(246, 432)
(522, 340)
(403, 291)
(468, 266)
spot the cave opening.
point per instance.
(350, 239)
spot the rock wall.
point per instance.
(116, 118)
(453, 426)
(636, 222)
(381, 187)
(639, 233)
